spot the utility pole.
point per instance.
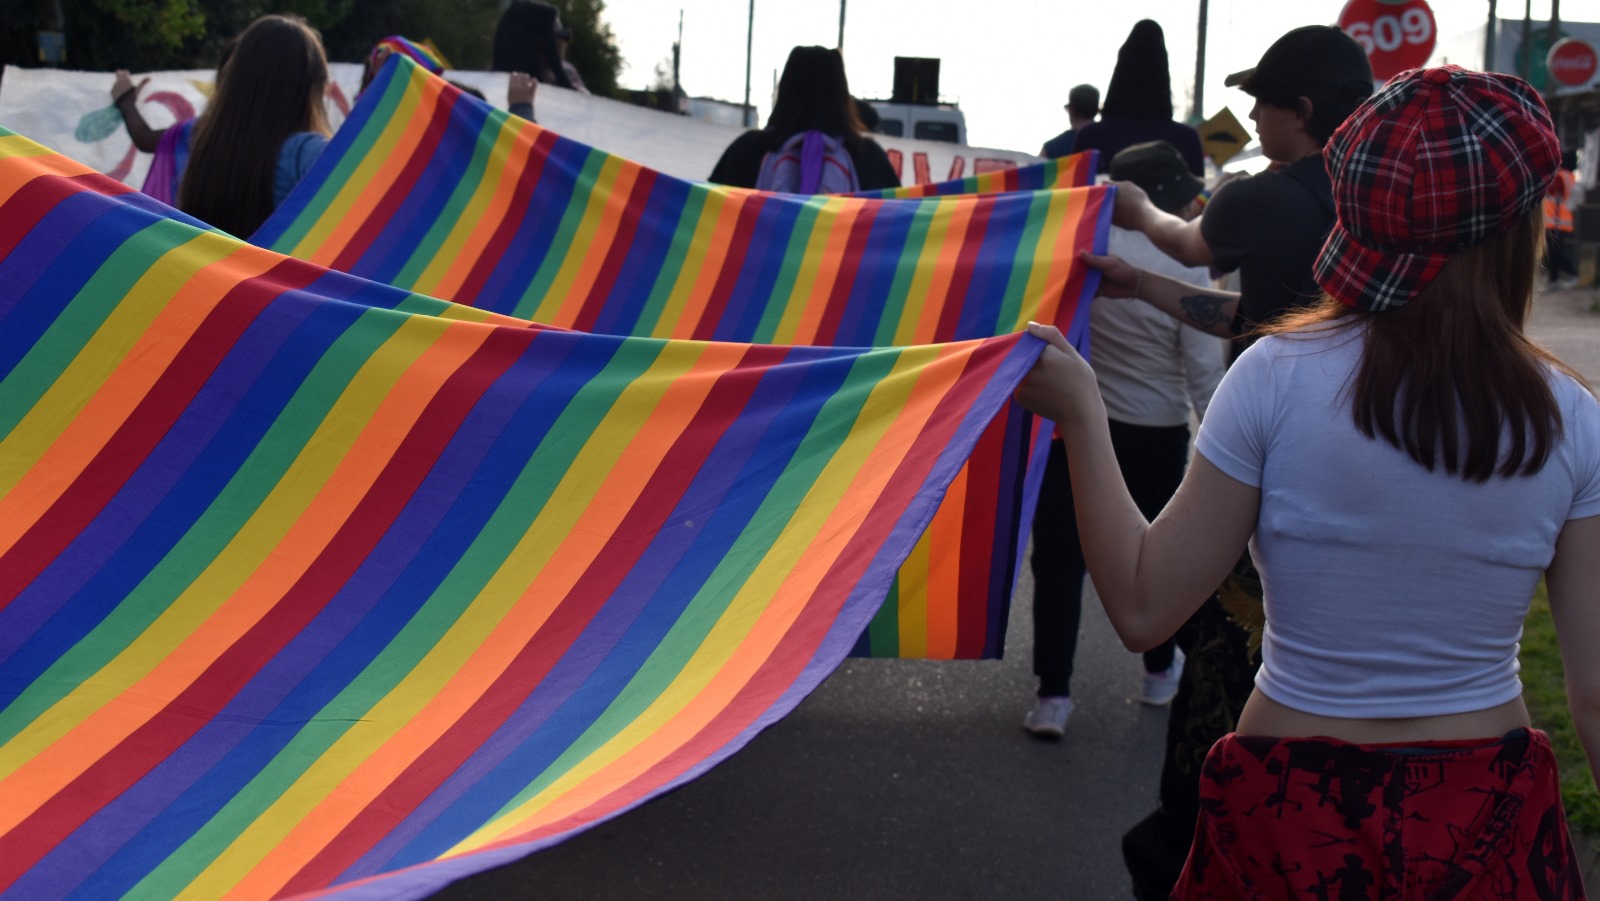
(1198, 113)
(841, 26)
(749, 45)
(1526, 65)
(677, 55)
(1488, 40)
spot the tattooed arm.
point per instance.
(1208, 310)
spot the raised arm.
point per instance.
(1150, 576)
(125, 97)
(1171, 234)
(1573, 580)
(520, 90)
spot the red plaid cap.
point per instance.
(1435, 162)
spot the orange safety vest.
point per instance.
(1557, 212)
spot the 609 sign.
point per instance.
(1397, 34)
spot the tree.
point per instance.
(594, 48)
(145, 35)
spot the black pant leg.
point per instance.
(1058, 568)
(1152, 459)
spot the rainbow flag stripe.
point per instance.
(431, 190)
(313, 586)
(428, 57)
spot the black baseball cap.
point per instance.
(1315, 61)
(1159, 169)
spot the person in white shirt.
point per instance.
(1405, 465)
(1152, 372)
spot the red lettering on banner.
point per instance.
(920, 170)
(898, 161)
(958, 166)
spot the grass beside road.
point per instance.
(1545, 690)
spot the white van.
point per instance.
(921, 121)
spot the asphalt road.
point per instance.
(895, 779)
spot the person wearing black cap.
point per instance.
(1153, 372)
(1267, 227)
(1083, 105)
(1406, 465)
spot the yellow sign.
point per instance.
(1221, 136)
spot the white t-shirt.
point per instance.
(1150, 367)
(1391, 591)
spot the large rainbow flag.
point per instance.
(428, 189)
(310, 585)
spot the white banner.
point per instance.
(71, 112)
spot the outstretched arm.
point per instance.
(520, 90)
(1206, 309)
(1172, 235)
(1573, 580)
(125, 97)
(1150, 576)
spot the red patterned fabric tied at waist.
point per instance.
(1323, 819)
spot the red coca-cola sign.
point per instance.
(1397, 34)
(1571, 62)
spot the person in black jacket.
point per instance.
(813, 94)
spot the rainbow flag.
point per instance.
(431, 190)
(313, 586)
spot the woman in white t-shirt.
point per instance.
(1405, 465)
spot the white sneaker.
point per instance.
(1161, 688)
(1048, 718)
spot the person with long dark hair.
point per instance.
(1405, 465)
(530, 38)
(263, 129)
(813, 95)
(1138, 104)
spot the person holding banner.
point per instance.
(1153, 373)
(1268, 227)
(170, 145)
(530, 38)
(1405, 464)
(263, 129)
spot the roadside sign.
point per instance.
(1571, 62)
(1222, 136)
(1397, 34)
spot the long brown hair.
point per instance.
(1450, 378)
(271, 89)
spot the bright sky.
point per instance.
(1009, 63)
